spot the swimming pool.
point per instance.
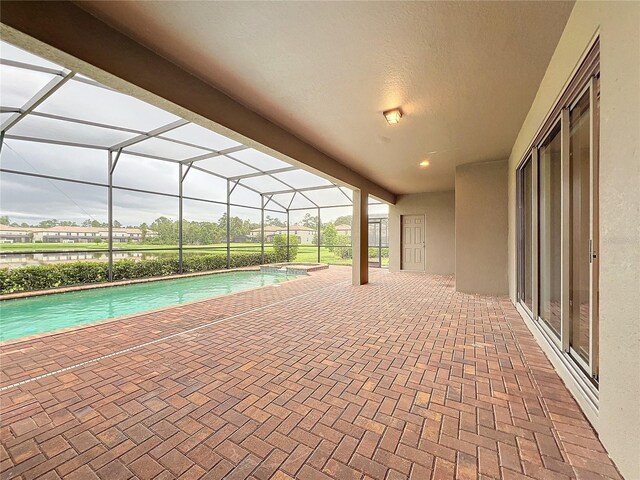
(28, 316)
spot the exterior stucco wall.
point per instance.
(618, 24)
(481, 228)
(439, 211)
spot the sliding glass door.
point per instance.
(558, 228)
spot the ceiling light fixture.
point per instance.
(424, 163)
(393, 116)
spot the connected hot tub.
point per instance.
(293, 268)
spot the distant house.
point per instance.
(269, 232)
(305, 234)
(344, 229)
(9, 234)
(88, 234)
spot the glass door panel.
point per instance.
(580, 227)
(550, 208)
(527, 233)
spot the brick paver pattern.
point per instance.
(315, 379)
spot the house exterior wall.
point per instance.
(14, 235)
(305, 236)
(481, 228)
(57, 235)
(617, 416)
(439, 211)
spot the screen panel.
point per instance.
(56, 160)
(204, 225)
(62, 131)
(32, 199)
(258, 160)
(11, 52)
(202, 185)
(327, 197)
(146, 174)
(200, 136)
(82, 101)
(155, 216)
(243, 196)
(159, 147)
(225, 166)
(335, 235)
(46, 214)
(18, 85)
(264, 183)
(301, 179)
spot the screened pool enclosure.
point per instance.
(90, 174)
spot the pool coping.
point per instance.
(61, 331)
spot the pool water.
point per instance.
(28, 316)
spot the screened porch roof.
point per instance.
(46, 104)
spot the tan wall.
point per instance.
(481, 228)
(618, 418)
(439, 211)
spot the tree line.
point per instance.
(201, 233)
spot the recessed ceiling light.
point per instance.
(393, 116)
(424, 163)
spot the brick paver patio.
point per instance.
(401, 378)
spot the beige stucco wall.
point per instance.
(439, 211)
(481, 228)
(618, 23)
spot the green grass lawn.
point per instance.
(306, 253)
(70, 247)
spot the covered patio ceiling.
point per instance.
(465, 73)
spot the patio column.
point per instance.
(359, 240)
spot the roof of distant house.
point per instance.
(273, 228)
(10, 228)
(270, 228)
(75, 229)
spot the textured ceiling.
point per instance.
(465, 73)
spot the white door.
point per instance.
(413, 242)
